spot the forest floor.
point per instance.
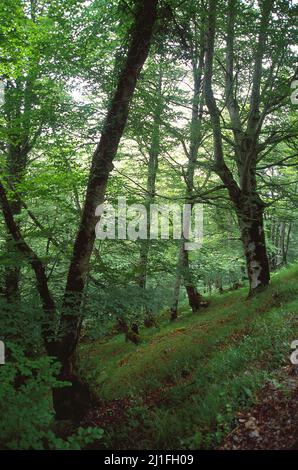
(272, 423)
(197, 382)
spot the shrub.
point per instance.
(26, 407)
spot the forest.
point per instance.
(148, 224)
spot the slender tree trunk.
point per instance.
(18, 119)
(281, 244)
(195, 299)
(12, 274)
(103, 156)
(272, 255)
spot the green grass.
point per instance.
(181, 386)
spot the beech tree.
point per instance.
(253, 129)
(27, 110)
(194, 48)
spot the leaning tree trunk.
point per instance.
(12, 273)
(250, 217)
(195, 299)
(16, 162)
(70, 323)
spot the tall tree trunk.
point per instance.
(183, 269)
(70, 402)
(12, 273)
(103, 156)
(287, 243)
(176, 290)
(195, 299)
(16, 164)
(154, 152)
(281, 244)
(18, 118)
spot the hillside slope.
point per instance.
(182, 386)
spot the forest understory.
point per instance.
(186, 386)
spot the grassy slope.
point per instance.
(181, 387)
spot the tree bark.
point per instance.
(16, 164)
